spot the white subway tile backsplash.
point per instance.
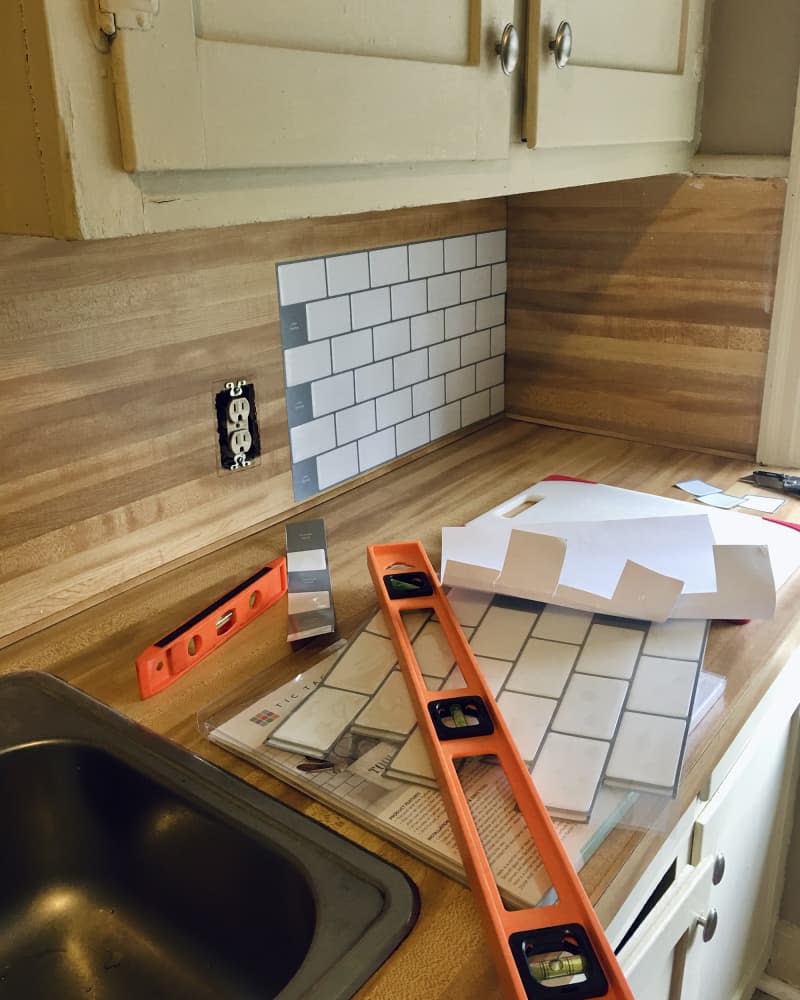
(410, 368)
(409, 298)
(412, 434)
(327, 317)
(499, 339)
(475, 347)
(347, 273)
(376, 449)
(492, 247)
(445, 420)
(312, 438)
(370, 308)
(444, 290)
(459, 383)
(355, 422)
(391, 339)
(489, 373)
(498, 278)
(301, 282)
(428, 395)
(388, 266)
(425, 259)
(459, 320)
(490, 312)
(476, 283)
(393, 408)
(427, 329)
(337, 466)
(497, 396)
(374, 380)
(476, 407)
(444, 357)
(331, 394)
(311, 361)
(459, 253)
(351, 350)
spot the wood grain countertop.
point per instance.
(445, 954)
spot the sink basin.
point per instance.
(131, 868)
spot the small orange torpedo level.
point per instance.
(167, 659)
(545, 951)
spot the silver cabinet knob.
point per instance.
(718, 870)
(709, 924)
(508, 49)
(561, 45)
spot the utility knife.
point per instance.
(774, 481)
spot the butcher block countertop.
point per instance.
(444, 955)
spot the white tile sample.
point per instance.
(355, 422)
(364, 664)
(591, 706)
(476, 407)
(611, 651)
(338, 465)
(334, 393)
(475, 347)
(319, 721)
(498, 278)
(390, 339)
(662, 686)
(410, 368)
(427, 329)
(425, 259)
(459, 320)
(444, 290)
(374, 380)
(647, 751)
(328, 317)
(679, 638)
(489, 373)
(390, 711)
(305, 363)
(351, 350)
(409, 298)
(459, 383)
(543, 668)
(476, 283)
(412, 763)
(567, 773)
(528, 718)
(491, 247)
(444, 357)
(502, 633)
(412, 434)
(301, 282)
(497, 397)
(498, 339)
(389, 265)
(445, 420)
(347, 273)
(562, 624)
(490, 312)
(433, 652)
(376, 449)
(459, 253)
(312, 438)
(393, 408)
(428, 395)
(370, 308)
(305, 561)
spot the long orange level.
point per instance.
(547, 951)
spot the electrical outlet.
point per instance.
(237, 425)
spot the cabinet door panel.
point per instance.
(220, 84)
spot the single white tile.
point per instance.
(527, 717)
(475, 347)
(494, 673)
(444, 290)
(498, 278)
(370, 308)
(412, 434)
(306, 363)
(680, 638)
(425, 259)
(376, 449)
(498, 339)
(591, 707)
(469, 606)
(319, 722)
(408, 299)
(300, 602)
(491, 247)
(307, 561)
(489, 373)
(474, 408)
(647, 750)
(459, 253)
(410, 368)
(391, 710)
(355, 422)
(445, 420)
(497, 395)
(459, 320)
(663, 686)
(347, 273)
(351, 350)
(543, 668)
(433, 652)
(413, 762)
(563, 624)
(490, 312)
(327, 317)
(388, 266)
(364, 664)
(610, 651)
(391, 339)
(444, 357)
(334, 393)
(427, 329)
(428, 395)
(374, 380)
(476, 283)
(393, 408)
(459, 383)
(336, 466)
(301, 281)
(568, 771)
(502, 633)
(312, 438)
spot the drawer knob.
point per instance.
(718, 870)
(709, 924)
(561, 45)
(508, 49)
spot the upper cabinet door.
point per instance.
(221, 84)
(632, 75)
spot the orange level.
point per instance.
(545, 951)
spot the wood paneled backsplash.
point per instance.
(642, 308)
(110, 353)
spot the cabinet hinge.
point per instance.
(112, 15)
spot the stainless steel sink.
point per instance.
(131, 868)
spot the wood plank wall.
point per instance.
(642, 308)
(110, 353)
